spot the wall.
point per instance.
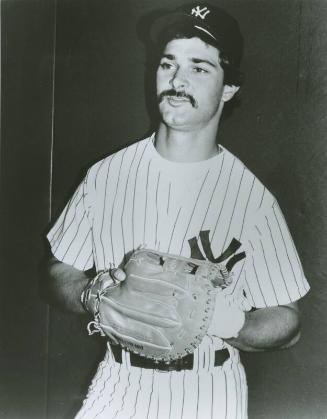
(27, 32)
(84, 57)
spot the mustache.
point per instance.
(173, 92)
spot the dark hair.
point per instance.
(232, 72)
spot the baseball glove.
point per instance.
(162, 309)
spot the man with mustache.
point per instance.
(181, 193)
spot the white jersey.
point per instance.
(135, 197)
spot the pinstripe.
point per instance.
(56, 231)
(104, 210)
(246, 207)
(151, 394)
(101, 411)
(241, 388)
(212, 394)
(73, 239)
(198, 362)
(95, 254)
(111, 395)
(87, 261)
(82, 246)
(222, 205)
(195, 204)
(96, 399)
(213, 193)
(171, 395)
(124, 201)
(211, 355)
(226, 400)
(258, 282)
(233, 211)
(237, 395)
(271, 282)
(259, 286)
(286, 251)
(133, 210)
(263, 193)
(157, 215)
(158, 408)
(113, 206)
(279, 265)
(146, 199)
(249, 289)
(137, 393)
(183, 401)
(99, 168)
(168, 200)
(172, 233)
(198, 398)
(125, 393)
(69, 225)
(231, 290)
(98, 377)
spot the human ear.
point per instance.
(229, 92)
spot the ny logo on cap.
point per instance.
(198, 12)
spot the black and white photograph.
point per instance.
(163, 209)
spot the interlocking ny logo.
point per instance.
(198, 12)
(229, 253)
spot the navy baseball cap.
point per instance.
(212, 22)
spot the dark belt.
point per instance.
(185, 363)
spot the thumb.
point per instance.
(118, 274)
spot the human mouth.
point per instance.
(175, 98)
(177, 101)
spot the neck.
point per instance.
(186, 145)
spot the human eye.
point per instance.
(200, 70)
(165, 65)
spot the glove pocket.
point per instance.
(152, 311)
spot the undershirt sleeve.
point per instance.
(70, 237)
(273, 272)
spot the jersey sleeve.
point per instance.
(70, 237)
(273, 271)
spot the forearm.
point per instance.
(268, 328)
(64, 285)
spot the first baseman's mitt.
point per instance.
(162, 309)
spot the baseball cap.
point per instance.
(210, 21)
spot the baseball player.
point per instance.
(180, 193)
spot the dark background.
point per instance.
(73, 90)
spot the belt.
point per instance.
(185, 363)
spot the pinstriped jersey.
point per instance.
(136, 197)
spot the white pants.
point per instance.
(120, 391)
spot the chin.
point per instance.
(174, 119)
(175, 122)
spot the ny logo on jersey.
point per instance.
(229, 252)
(198, 12)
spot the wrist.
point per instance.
(85, 295)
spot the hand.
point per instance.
(111, 278)
(227, 319)
(102, 281)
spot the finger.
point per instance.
(118, 274)
(106, 280)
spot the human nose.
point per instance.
(179, 79)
